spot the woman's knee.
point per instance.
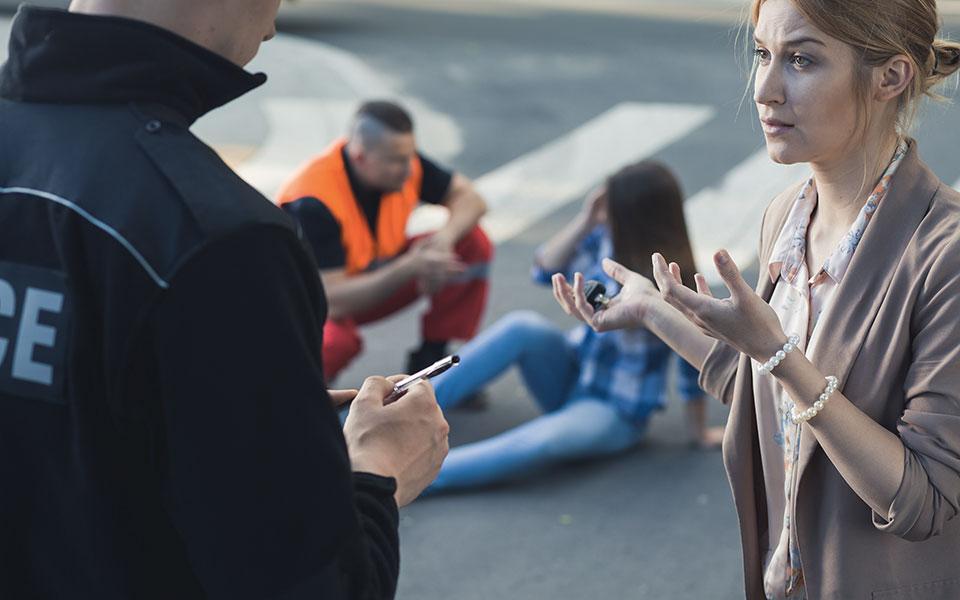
(526, 323)
(589, 428)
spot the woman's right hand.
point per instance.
(595, 207)
(627, 310)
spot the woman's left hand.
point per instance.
(626, 310)
(743, 321)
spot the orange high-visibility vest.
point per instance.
(325, 178)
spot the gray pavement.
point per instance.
(657, 522)
(492, 81)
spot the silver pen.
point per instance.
(400, 388)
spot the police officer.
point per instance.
(165, 431)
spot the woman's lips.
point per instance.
(774, 127)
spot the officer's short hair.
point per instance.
(377, 118)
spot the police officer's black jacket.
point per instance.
(165, 431)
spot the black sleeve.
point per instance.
(320, 229)
(436, 181)
(257, 480)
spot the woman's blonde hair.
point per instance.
(881, 29)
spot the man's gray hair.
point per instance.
(375, 120)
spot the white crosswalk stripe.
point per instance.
(301, 128)
(728, 215)
(300, 124)
(527, 189)
(532, 186)
(5, 26)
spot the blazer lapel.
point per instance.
(742, 418)
(740, 439)
(844, 326)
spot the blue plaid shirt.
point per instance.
(630, 367)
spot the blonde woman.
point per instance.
(842, 368)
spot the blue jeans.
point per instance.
(572, 427)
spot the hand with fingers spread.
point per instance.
(626, 310)
(406, 440)
(744, 320)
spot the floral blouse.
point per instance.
(799, 301)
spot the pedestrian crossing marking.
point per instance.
(531, 187)
(728, 215)
(300, 124)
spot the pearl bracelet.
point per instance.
(801, 417)
(792, 343)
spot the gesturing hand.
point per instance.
(628, 309)
(744, 320)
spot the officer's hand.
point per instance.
(406, 440)
(341, 397)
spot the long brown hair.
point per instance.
(645, 215)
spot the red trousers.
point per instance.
(454, 314)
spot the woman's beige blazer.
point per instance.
(892, 337)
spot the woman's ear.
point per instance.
(893, 77)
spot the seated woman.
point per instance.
(597, 390)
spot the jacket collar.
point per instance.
(857, 302)
(60, 57)
(845, 328)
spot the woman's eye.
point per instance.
(801, 61)
(761, 54)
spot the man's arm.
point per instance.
(466, 208)
(256, 476)
(351, 294)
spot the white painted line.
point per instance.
(299, 129)
(729, 215)
(721, 11)
(536, 184)
(948, 7)
(338, 74)
(5, 26)
(312, 93)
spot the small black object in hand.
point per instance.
(596, 294)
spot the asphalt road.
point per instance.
(503, 82)
(657, 522)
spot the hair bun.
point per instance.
(946, 58)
